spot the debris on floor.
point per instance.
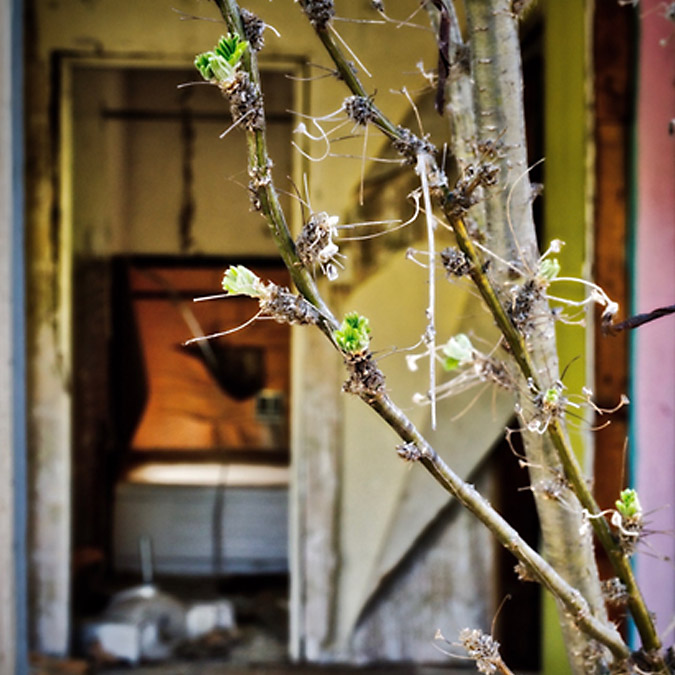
(144, 624)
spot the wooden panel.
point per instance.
(614, 54)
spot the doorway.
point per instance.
(180, 454)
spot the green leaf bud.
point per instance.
(221, 63)
(239, 280)
(549, 269)
(203, 65)
(628, 504)
(458, 351)
(552, 396)
(231, 48)
(353, 336)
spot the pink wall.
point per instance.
(654, 365)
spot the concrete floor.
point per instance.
(212, 667)
(257, 646)
(223, 669)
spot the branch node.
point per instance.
(365, 379)
(286, 307)
(614, 591)
(409, 452)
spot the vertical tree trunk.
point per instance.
(498, 108)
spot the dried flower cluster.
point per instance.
(254, 29)
(410, 146)
(483, 649)
(260, 179)
(614, 592)
(522, 305)
(286, 307)
(319, 12)
(464, 194)
(315, 245)
(246, 104)
(365, 379)
(455, 262)
(359, 109)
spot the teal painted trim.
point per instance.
(19, 444)
(631, 260)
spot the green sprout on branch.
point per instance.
(239, 280)
(353, 336)
(552, 396)
(220, 65)
(628, 504)
(549, 269)
(458, 351)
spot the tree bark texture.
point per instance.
(500, 120)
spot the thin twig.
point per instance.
(430, 332)
(637, 320)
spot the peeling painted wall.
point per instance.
(326, 495)
(145, 32)
(11, 589)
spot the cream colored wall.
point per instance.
(151, 32)
(401, 500)
(129, 172)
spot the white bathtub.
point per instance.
(183, 507)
